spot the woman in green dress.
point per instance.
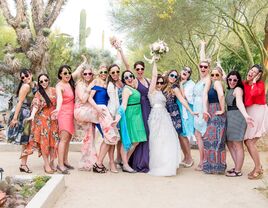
(133, 118)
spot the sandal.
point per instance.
(230, 171)
(234, 174)
(64, 172)
(99, 169)
(256, 175)
(25, 170)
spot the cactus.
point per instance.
(102, 43)
(84, 31)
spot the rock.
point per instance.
(3, 186)
(17, 187)
(20, 202)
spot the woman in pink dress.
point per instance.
(65, 113)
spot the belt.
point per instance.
(133, 104)
(230, 108)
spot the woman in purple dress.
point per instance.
(139, 160)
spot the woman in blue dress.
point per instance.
(99, 100)
(186, 88)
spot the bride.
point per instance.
(163, 142)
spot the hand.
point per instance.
(13, 123)
(54, 114)
(115, 122)
(218, 113)
(206, 116)
(28, 119)
(250, 121)
(84, 58)
(194, 113)
(101, 112)
(257, 77)
(202, 42)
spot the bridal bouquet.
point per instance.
(158, 48)
(115, 43)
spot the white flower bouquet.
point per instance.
(115, 42)
(158, 49)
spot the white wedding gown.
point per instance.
(165, 153)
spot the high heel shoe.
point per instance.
(65, 172)
(99, 169)
(69, 166)
(25, 170)
(128, 169)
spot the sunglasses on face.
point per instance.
(43, 81)
(173, 76)
(25, 76)
(232, 80)
(216, 75)
(87, 74)
(159, 83)
(103, 72)
(65, 73)
(187, 71)
(129, 77)
(203, 66)
(140, 69)
(115, 72)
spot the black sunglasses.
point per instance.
(65, 73)
(140, 69)
(43, 81)
(161, 83)
(115, 72)
(103, 72)
(232, 80)
(89, 74)
(216, 75)
(203, 66)
(131, 76)
(173, 76)
(25, 76)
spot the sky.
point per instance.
(97, 20)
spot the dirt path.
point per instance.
(188, 189)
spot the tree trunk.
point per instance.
(265, 43)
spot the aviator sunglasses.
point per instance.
(65, 73)
(115, 72)
(23, 77)
(216, 75)
(103, 72)
(203, 66)
(140, 69)
(43, 81)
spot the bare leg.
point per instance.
(185, 144)
(239, 158)
(134, 145)
(64, 139)
(231, 148)
(111, 158)
(252, 149)
(66, 153)
(200, 144)
(46, 162)
(24, 158)
(104, 148)
(118, 154)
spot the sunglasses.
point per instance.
(129, 77)
(103, 72)
(187, 71)
(87, 74)
(232, 80)
(115, 72)
(161, 83)
(173, 76)
(140, 69)
(43, 81)
(203, 66)
(216, 75)
(23, 77)
(65, 73)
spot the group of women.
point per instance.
(149, 122)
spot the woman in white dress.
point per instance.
(164, 146)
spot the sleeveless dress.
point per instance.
(174, 112)
(199, 123)
(134, 120)
(20, 134)
(163, 142)
(85, 115)
(235, 124)
(110, 133)
(66, 113)
(187, 119)
(139, 160)
(214, 138)
(44, 131)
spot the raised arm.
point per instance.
(25, 88)
(124, 59)
(202, 50)
(76, 74)
(154, 78)
(218, 87)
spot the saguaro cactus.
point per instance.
(102, 40)
(84, 31)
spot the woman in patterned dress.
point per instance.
(19, 130)
(44, 132)
(237, 119)
(214, 114)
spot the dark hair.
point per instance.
(260, 69)
(26, 72)
(42, 90)
(71, 81)
(139, 63)
(110, 79)
(239, 79)
(122, 76)
(159, 76)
